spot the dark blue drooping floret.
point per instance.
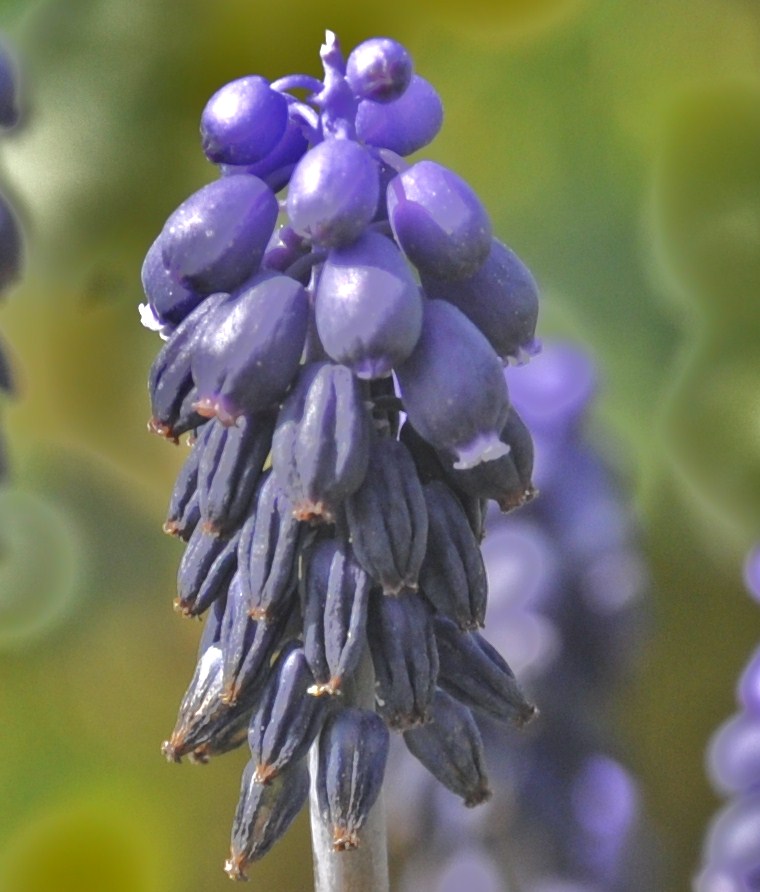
(335, 550)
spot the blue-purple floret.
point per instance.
(324, 546)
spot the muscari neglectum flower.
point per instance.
(336, 358)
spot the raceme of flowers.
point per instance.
(336, 358)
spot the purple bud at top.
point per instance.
(333, 192)
(379, 69)
(275, 169)
(243, 121)
(404, 125)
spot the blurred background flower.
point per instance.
(617, 148)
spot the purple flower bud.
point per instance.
(287, 718)
(229, 469)
(451, 748)
(452, 577)
(333, 192)
(264, 813)
(243, 121)
(404, 656)
(320, 448)
(336, 593)
(268, 553)
(379, 69)
(275, 168)
(170, 382)
(216, 238)
(170, 301)
(749, 685)
(453, 387)
(184, 506)
(438, 221)
(368, 307)
(500, 298)
(404, 125)
(474, 672)
(248, 354)
(353, 749)
(205, 571)
(387, 518)
(734, 754)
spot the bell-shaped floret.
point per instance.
(268, 552)
(438, 220)
(404, 656)
(264, 812)
(379, 69)
(333, 192)
(170, 381)
(169, 300)
(287, 718)
(353, 751)
(216, 238)
(476, 674)
(451, 748)
(368, 307)
(335, 597)
(320, 448)
(243, 121)
(229, 469)
(404, 125)
(452, 577)
(250, 350)
(501, 298)
(453, 387)
(276, 167)
(507, 479)
(205, 571)
(387, 518)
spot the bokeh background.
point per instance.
(616, 144)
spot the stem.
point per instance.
(364, 869)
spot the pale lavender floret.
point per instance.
(169, 301)
(732, 839)
(752, 573)
(379, 69)
(333, 192)
(243, 121)
(749, 685)
(368, 307)
(501, 298)
(439, 221)
(453, 387)
(734, 755)
(404, 125)
(248, 354)
(553, 392)
(216, 238)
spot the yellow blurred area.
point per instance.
(98, 843)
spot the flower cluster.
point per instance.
(10, 234)
(341, 378)
(731, 851)
(566, 580)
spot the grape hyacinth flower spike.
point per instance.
(335, 554)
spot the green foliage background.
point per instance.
(617, 146)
